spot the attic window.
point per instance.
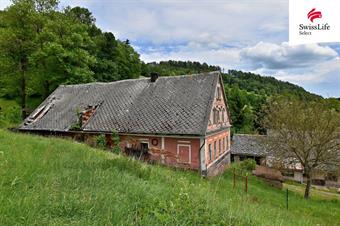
(40, 112)
(215, 112)
(219, 96)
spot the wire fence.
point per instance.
(244, 179)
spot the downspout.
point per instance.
(203, 173)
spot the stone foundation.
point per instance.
(218, 167)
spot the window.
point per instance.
(215, 149)
(144, 146)
(210, 152)
(226, 142)
(218, 93)
(214, 116)
(223, 115)
(223, 145)
(219, 147)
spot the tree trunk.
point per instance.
(46, 89)
(23, 93)
(308, 186)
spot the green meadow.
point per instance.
(51, 181)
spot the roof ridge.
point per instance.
(249, 135)
(141, 78)
(189, 75)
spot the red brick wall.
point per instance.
(222, 141)
(177, 151)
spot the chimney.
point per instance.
(154, 76)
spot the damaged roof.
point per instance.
(170, 105)
(248, 145)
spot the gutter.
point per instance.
(203, 173)
(107, 132)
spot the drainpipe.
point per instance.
(203, 170)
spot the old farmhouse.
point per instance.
(181, 121)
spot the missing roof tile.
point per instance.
(40, 112)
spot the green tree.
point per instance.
(106, 68)
(129, 65)
(306, 132)
(63, 56)
(20, 25)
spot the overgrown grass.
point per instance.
(10, 114)
(10, 111)
(49, 181)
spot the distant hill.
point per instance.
(172, 67)
(264, 85)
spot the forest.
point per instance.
(43, 46)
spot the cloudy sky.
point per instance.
(249, 35)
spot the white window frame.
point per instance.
(145, 141)
(184, 145)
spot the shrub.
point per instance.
(244, 166)
(248, 164)
(116, 142)
(101, 141)
(10, 116)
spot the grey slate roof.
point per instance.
(248, 145)
(171, 105)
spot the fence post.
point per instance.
(234, 179)
(247, 183)
(287, 198)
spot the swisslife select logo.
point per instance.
(307, 29)
(314, 21)
(312, 15)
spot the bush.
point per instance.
(244, 166)
(101, 141)
(248, 164)
(116, 142)
(10, 116)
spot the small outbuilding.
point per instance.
(245, 146)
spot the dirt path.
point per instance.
(315, 193)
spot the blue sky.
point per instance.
(249, 35)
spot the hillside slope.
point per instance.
(49, 181)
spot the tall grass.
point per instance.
(49, 181)
(10, 114)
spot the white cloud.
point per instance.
(323, 78)
(4, 4)
(195, 21)
(274, 56)
(226, 57)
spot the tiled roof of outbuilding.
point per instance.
(249, 145)
(171, 105)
